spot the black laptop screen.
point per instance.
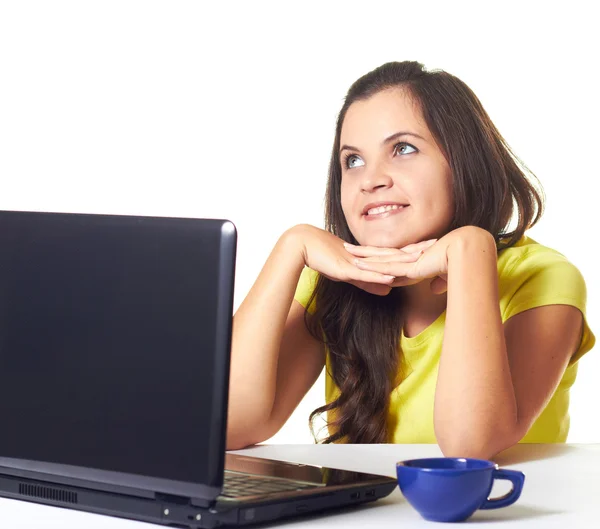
(107, 340)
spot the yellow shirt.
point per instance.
(530, 275)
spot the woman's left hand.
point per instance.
(432, 263)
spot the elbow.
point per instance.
(240, 438)
(237, 440)
(478, 445)
(237, 444)
(468, 450)
(245, 429)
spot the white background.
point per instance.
(228, 109)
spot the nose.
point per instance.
(376, 179)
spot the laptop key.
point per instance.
(239, 485)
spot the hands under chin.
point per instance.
(413, 263)
(378, 270)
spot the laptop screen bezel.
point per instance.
(143, 485)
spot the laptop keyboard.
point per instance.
(239, 485)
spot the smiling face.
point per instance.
(396, 184)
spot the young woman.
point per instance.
(437, 318)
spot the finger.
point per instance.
(366, 251)
(405, 281)
(398, 258)
(387, 268)
(372, 288)
(439, 285)
(369, 276)
(415, 247)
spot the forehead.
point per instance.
(383, 114)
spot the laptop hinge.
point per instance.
(181, 500)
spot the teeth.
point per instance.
(383, 209)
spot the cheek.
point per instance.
(441, 201)
(438, 192)
(448, 197)
(346, 199)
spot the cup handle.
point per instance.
(517, 478)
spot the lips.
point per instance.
(378, 208)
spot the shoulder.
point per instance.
(528, 251)
(528, 260)
(532, 275)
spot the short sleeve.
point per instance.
(305, 288)
(546, 277)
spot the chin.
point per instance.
(385, 241)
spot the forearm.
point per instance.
(475, 406)
(257, 332)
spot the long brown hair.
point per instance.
(362, 331)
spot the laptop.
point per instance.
(115, 337)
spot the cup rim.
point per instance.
(406, 463)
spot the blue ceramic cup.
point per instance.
(446, 489)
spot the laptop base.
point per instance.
(171, 511)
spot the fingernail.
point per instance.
(348, 244)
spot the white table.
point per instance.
(562, 489)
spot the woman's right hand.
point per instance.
(325, 253)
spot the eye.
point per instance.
(349, 158)
(403, 147)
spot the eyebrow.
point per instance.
(384, 142)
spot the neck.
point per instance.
(421, 306)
